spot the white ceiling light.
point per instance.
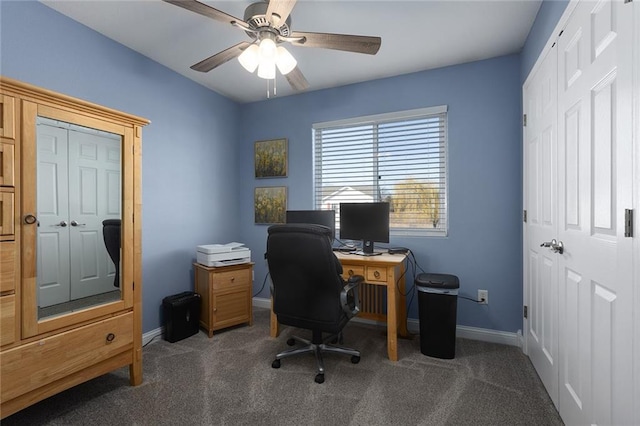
(265, 57)
(285, 62)
(250, 58)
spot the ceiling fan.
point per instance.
(268, 23)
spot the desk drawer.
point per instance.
(36, 364)
(231, 279)
(350, 270)
(375, 274)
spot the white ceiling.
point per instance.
(416, 35)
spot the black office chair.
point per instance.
(308, 290)
(111, 235)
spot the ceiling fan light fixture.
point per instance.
(250, 58)
(285, 61)
(268, 49)
(267, 69)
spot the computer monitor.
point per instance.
(368, 222)
(318, 217)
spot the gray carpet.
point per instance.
(228, 380)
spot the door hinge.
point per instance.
(524, 216)
(525, 311)
(524, 120)
(628, 223)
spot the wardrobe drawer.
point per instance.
(7, 321)
(7, 117)
(7, 266)
(7, 165)
(36, 364)
(229, 279)
(6, 213)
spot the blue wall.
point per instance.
(483, 247)
(546, 20)
(198, 152)
(188, 149)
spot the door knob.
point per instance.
(63, 223)
(555, 246)
(30, 219)
(74, 223)
(558, 247)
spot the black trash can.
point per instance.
(437, 306)
(181, 315)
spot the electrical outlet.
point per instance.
(483, 297)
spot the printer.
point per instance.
(223, 254)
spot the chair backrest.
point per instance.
(305, 275)
(111, 234)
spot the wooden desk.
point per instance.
(380, 272)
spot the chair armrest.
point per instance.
(351, 307)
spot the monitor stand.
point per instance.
(363, 253)
(367, 249)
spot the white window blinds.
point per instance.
(399, 158)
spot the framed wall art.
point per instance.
(271, 158)
(270, 204)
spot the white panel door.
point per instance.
(540, 181)
(594, 181)
(94, 195)
(53, 216)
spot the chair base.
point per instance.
(317, 349)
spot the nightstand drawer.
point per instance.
(228, 279)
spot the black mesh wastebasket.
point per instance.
(437, 305)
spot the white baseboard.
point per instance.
(150, 335)
(463, 331)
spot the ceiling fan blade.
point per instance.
(205, 10)
(281, 9)
(220, 58)
(348, 43)
(296, 80)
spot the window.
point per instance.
(398, 157)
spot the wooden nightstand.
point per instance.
(226, 295)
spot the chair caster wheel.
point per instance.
(355, 359)
(291, 342)
(275, 364)
(319, 378)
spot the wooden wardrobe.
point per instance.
(41, 353)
